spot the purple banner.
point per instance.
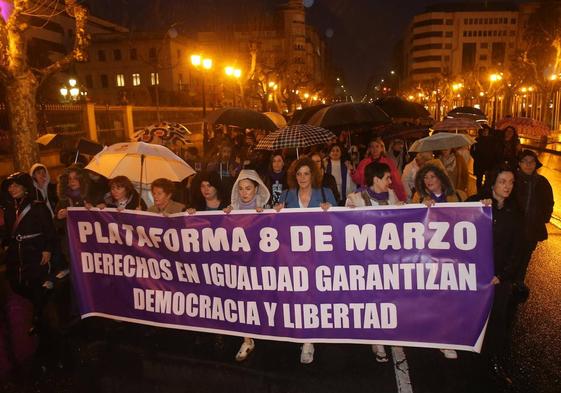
(408, 275)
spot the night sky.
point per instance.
(361, 34)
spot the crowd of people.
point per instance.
(234, 176)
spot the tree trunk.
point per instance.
(20, 100)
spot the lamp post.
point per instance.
(492, 79)
(394, 74)
(203, 64)
(235, 73)
(71, 92)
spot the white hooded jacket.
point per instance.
(262, 194)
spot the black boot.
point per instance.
(498, 372)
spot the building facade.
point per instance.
(278, 54)
(455, 39)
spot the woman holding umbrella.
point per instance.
(305, 191)
(456, 167)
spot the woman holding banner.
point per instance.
(305, 191)
(207, 193)
(162, 191)
(122, 195)
(432, 186)
(248, 193)
(506, 223)
(377, 176)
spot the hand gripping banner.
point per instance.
(407, 275)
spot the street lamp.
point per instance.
(235, 73)
(71, 92)
(492, 79)
(206, 64)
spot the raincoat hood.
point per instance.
(34, 168)
(262, 194)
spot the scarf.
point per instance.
(449, 163)
(344, 173)
(251, 205)
(74, 195)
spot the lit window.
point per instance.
(120, 80)
(135, 79)
(154, 78)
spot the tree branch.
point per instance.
(81, 41)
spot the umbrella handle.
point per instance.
(142, 156)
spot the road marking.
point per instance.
(401, 371)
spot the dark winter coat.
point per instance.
(486, 153)
(23, 255)
(132, 202)
(535, 200)
(506, 234)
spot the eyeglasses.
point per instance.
(528, 162)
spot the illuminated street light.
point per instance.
(207, 64)
(196, 60)
(494, 78)
(229, 71)
(71, 92)
(237, 73)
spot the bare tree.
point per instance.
(22, 81)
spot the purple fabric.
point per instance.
(441, 298)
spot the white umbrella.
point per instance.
(140, 162)
(441, 141)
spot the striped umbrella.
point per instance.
(457, 124)
(296, 136)
(524, 126)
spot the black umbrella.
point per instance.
(301, 116)
(243, 118)
(397, 107)
(467, 110)
(349, 115)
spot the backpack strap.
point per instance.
(366, 198)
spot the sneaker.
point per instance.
(247, 347)
(449, 353)
(380, 352)
(307, 354)
(48, 285)
(62, 274)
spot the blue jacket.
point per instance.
(290, 198)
